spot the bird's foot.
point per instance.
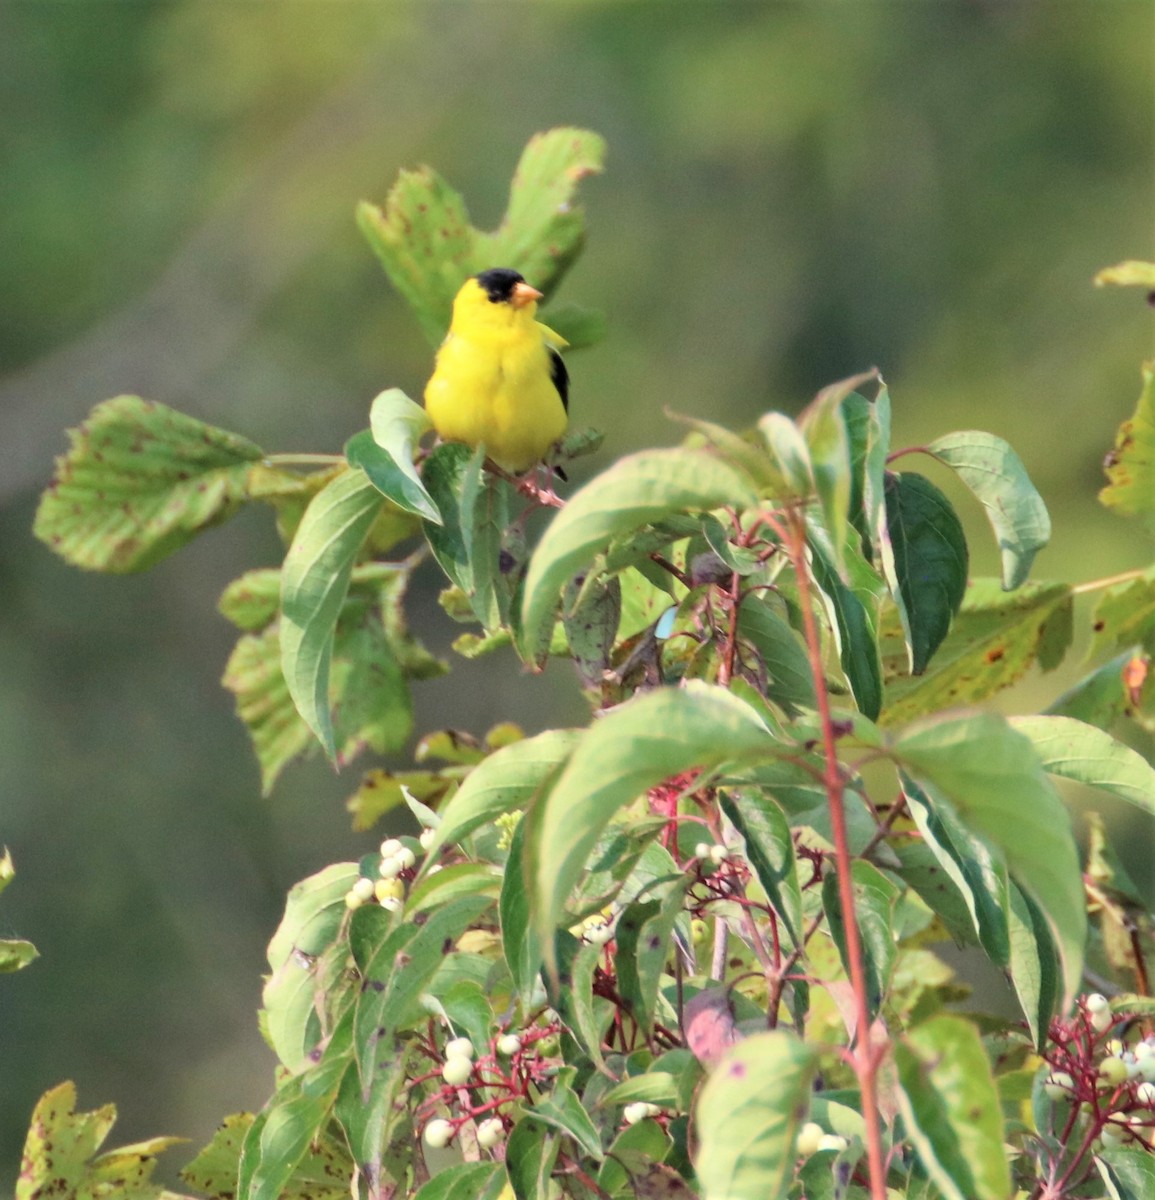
(540, 493)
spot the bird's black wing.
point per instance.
(560, 376)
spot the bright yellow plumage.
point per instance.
(498, 379)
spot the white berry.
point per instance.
(490, 1133)
(1096, 1002)
(1059, 1085)
(832, 1141)
(633, 1113)
(427, 837)
(438, 1133)
(405, 857)
(719, 854)
(702, 850)
(1145, 1094)
(390, 846)
(456, 1070)
(391, 903)
(363, 888)
(509, 1044)
(390, 867)
(460, 1047)
(808, 1138)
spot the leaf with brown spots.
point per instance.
(60, 1160)
(995, 638)
(428, 247)
(748, 1116)
(138, 482)
(1130, 466)
(950, 1107)
(1123, 616)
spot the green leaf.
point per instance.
(748, 1115)
(637, 490)
(1034, 965)
(922, 871)
(743, 451)
(314, 910)
(397, 972)
(474, 508)
(16, 954)
(995, 474)
(572, 994)
(781, 652)
(425, 243)
(530, 1154)
(503, 782)
(214, 1170)
(7, 869)
(293, 1121)
(868, 433)
(465, 1181)
(978, 874)
(1123, 615)
(854, 612)
(1130, 467)
(992, 777)
(1129, 273)
(635, 1151)
(459, 879)
(1099, 698)
(643, 933)
(789, 455)
(828, 442)
(770, 852)
(368, 695)
(385, 452)
(1129, 1170)
(1074, 750)
(565, 1112)
(371, 1117)
(252, 601)
(60, 1156)
(518, 938)
(635, 746)
(951, 1109)
(543, 230)
(669, 1081)
(314, 582)
(428, 247)
(993, 641)
(138, 482)
(590, 617)
(924, 556)
(875, 898)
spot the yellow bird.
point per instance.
(499, 379)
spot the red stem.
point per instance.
(863, 1056)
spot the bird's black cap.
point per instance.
(499, 283)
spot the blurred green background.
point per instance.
(794, 192)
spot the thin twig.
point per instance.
(863, 1056)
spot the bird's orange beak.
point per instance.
(523, 294)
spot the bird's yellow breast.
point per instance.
(494, 386)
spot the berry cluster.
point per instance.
(475, 1090)
(397, 867)
(1106, 1080)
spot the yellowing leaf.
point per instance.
(1130, 466)
(139, 481)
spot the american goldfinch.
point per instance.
(499, 379)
